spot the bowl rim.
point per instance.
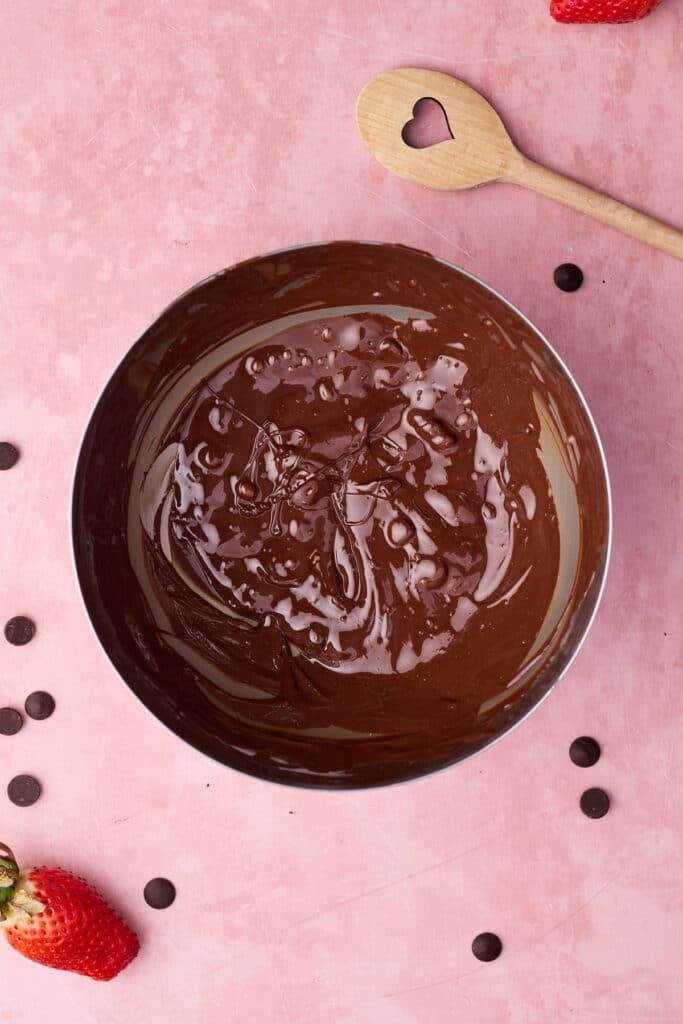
(595, 591)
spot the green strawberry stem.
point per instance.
(9, 873)
(6, 851)
(15, 895)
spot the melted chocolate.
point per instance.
(344, 515)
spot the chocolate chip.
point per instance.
(568, 277)
(23, 790)
(10, 721)
(595, 803)
(8, 455)
(585, 751)
(19, 630)
(39, 705)
(159, 893)
(487, 946)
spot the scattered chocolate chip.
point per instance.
(39, 705)
(8, 455)
(19, 630)
(487, 946)
(159, 893)
(585, 751)
(10, 721)
(595, 803)
(568, 277)
(23, 790)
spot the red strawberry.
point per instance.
(601, 11)
(57, 919)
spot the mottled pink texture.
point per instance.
(145, 145)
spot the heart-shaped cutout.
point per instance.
(428, 125)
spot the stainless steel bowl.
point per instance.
(154, 671)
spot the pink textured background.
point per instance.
(145, 145)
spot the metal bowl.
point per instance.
(116, 605)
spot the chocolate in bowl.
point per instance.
(341, 516)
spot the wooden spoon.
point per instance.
(480, 151)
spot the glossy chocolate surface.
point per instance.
(340, 516)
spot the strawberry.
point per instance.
(601, 11)
(58, 920)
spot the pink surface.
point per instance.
(145, 146)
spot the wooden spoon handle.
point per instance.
(597, 205)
